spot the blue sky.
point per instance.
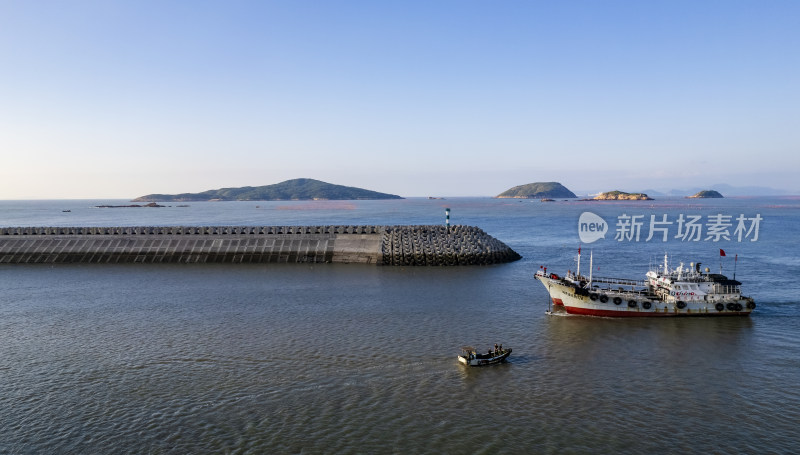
(114, 99)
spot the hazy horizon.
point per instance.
(663, 193)
(115, 100)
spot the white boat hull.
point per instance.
(609, 303)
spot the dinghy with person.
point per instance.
(471, 357)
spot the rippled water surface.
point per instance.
(341, 358)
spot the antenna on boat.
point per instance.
(579, 261)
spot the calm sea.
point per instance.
(338, 358)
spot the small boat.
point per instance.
(471, 357)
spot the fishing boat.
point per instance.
(682, 291)
(470, 356)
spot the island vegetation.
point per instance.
(538, 190)
(706, 194)
(622, 196)
(290, 190)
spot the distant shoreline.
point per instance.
(94, 201)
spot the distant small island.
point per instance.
(621, 196)
(706, 194)
(105, 206)
(290, 190)
(538, 190)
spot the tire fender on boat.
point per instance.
(604, 298)
(593, 296)
(719, 307)
(617, 300)
(751, 305)
(632, 304)
(681, 304)
(646, 305)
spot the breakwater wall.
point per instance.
(382, 245)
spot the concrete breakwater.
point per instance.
(382, 245)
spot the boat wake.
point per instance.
(557, 313)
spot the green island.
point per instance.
(706, 194)
(622, 196)
(290, 190)
(537, 190)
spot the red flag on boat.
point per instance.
(579, 249)
(721, 252)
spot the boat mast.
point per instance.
(579, 261)
(591, 266)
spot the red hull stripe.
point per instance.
(557, 301)
(645, 314)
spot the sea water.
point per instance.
(345, 358)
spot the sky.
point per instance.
(117, 99)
